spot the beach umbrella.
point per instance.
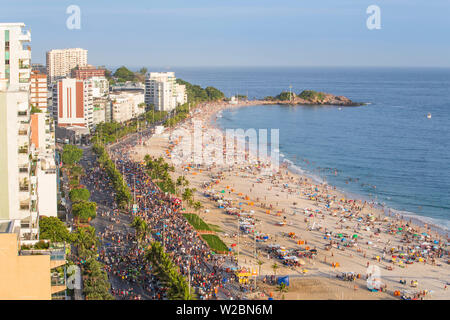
(400, 229)
(355, 236)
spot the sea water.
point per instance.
(387, 151)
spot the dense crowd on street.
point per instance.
(130, 274)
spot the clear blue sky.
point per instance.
(241, 32)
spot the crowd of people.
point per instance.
(162, 212)
(124, 259)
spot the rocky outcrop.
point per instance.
(310, 97)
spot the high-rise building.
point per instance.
(160, 90)
(73, 103)
(15, 55)
(38, 90)
(18, 199)
(60, 62)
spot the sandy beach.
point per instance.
(293, 215)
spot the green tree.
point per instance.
(141, 228)
(260, 263)
(284, 96)
(96, 284)
(53, 229)
(86, 242)
(275, 267)
(197, 206)
(187, 194)
(84, 210)
(71, 154)
(166, 271)
(143, 70)
(77, 195)
(214, 94)
(282, 288)
(123, 74)
(35, 110)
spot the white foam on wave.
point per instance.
(437, 224)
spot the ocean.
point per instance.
(387, 151)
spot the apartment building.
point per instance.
(60, 62)
(38, 90)
(160, 90)
(17, 180)
(73, 103)
(87, 72)
(126, 105)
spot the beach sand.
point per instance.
(245, 184)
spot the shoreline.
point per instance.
(418, 220)
(309, 218)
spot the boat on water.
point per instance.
(429, 115)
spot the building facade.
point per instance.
(60, 62)
(126, 105)
(73, 103)
(87, 72)
(38, 90)
(17, 181)
(160, 90)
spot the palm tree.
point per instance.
(187, 194)
(197, 206)
(282, 288)
(274, 268)
(86, 241)
(260, 263)
(141, 228)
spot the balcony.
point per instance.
(57, 253)
(23, 170)
(24, 206)
(25, 36)
(24, 66)
(23, 150)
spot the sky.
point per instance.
(169, 33)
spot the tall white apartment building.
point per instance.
(73, 103)
(160, 90)
(60, 62)
(18, 199)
